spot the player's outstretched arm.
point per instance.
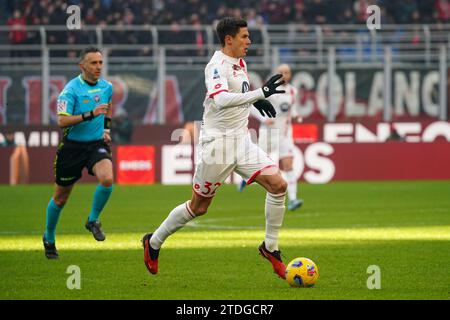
(229, 99)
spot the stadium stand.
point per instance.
(206, 12)
(135, 34)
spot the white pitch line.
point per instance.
(205, 223)
(218, 227)
(244, 217)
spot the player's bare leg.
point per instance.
(103, 170)
(62, 194)
(25, 165)
(287, 168)
(276, 186)
(15, 166)
(177, 219)
(199, 204)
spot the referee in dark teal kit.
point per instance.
(84, 113)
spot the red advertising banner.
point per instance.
(135, 165)
(391, 161)
(323, 153)
(305, 133)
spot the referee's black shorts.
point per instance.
(73, 156)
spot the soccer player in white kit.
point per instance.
(225, 146)
(275, 135)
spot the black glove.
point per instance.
(265, 108)
(270, 87)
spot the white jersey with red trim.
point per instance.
(285, 106)
(224, 143)
(226, 74)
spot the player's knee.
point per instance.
(61, 200)
(278, 187)
(107, 181)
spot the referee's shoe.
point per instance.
(50, 249)
(95, 228)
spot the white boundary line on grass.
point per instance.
(205, 223)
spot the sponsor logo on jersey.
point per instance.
(284, 107)
(102, 150)
(66, 179)
(245, 87)
(96, 98)
(216, 74)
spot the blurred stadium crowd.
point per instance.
(187, 12)
(175, 13)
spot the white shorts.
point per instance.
(276, 146)
(217, 158)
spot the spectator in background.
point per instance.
(176, 35)
(443, 10)
(5, 9)
(122, 127)
(220, 13)
(17, 35)
(254, 20)
(200, 38)
(426, 9)
(275, 13)
(404, 11)
(71, 39)
(90, 17)
(106, 4)
(316, 12)
(340, 12)
(360, 9)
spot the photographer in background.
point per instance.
(122, 127)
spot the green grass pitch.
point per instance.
(401, 227)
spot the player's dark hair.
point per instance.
(229, 26)
(86, 51)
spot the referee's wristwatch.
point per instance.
(88, 116)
